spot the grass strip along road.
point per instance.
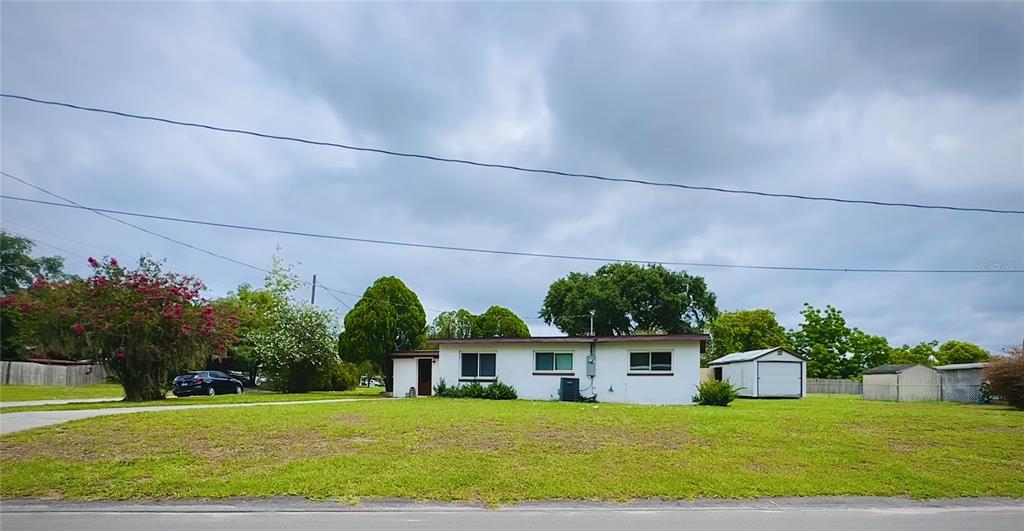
(244, 398)
(21, 393)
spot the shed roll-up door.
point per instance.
(778, 379)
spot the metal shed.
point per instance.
(765, 373)
(902, 383)
(961, 382)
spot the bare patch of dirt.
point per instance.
(493, 436)
(355, 419)
(485, 436)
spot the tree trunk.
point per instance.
(143, 394)
(140, 386)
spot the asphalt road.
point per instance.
(904, 516)
(24, 420)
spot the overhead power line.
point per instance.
(72, 203)
(40, 242)
(132, 225)
(58, 236)
(331, 291)
(507, 252)
(560, 173)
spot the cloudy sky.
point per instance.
(912, 102)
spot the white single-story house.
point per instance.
(902, 383)
(661, 369)
(765, 373)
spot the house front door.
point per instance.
(423, 387)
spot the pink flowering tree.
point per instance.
(144, 325)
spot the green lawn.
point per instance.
(244, 398)
(17, 393)
(496, 452)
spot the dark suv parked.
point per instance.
(205, 383)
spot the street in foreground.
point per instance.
(843, 514)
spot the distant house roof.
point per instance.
(892, 369)
(749, 355)
(578, 339)
(960, 366)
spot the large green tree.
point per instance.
(954, 351)
(626, 298)
(499, 322)
(454, 324)
(923, 353)
(18, 270)
(745, 330)
(833, 349)
(388, 318)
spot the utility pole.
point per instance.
(312, 298)
(592, 312)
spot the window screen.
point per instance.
(639, 361)
(486, 365)
(469, 365)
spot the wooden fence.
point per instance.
(834, 387)
(28, 373)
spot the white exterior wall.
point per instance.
(404, 376)
(514, 365)
(743, 375)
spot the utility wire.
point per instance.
(40, 242)
(507, 252)
(58, 236)
(132, 225)
(333, 292)
(492, 165)
(147, 231)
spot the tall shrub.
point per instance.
(299, 351)
(1005, 377)
(144, 324)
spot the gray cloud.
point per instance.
(901, 102)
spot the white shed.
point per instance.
(765, 373)
(902, 383)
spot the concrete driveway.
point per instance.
(26, 420)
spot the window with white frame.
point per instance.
(650, 362)
(552, 361)
(478, 365)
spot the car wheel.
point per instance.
(238, 389)
(211, 391)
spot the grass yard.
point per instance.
(496, 452)
(244, 398)
(17, 393)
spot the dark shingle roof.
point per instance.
(890, 369)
